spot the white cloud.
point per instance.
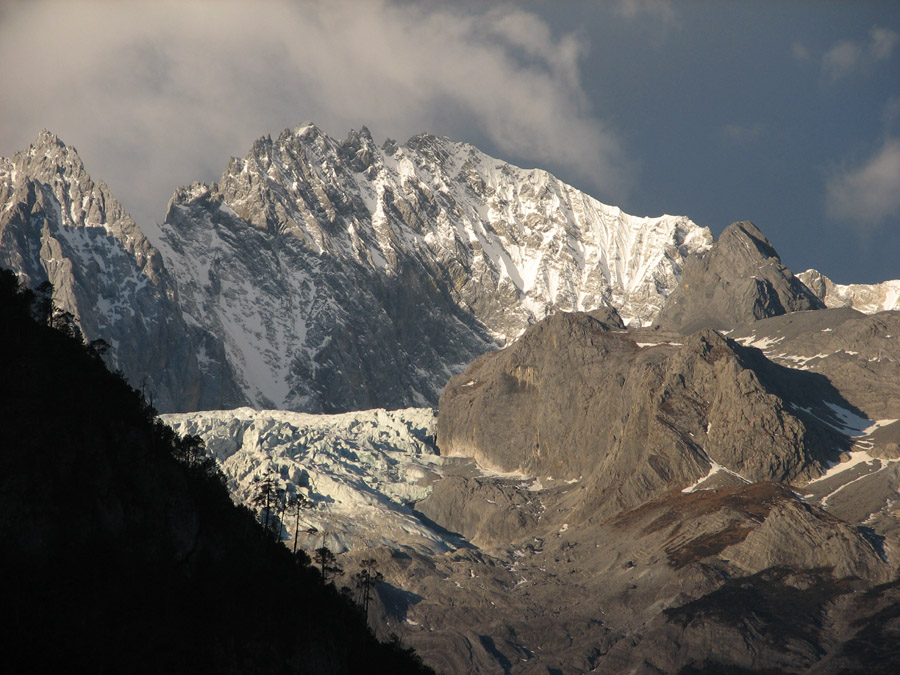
(848, 57)
(870, 193)
(660, 9)
(159, 93)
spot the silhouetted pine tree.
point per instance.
(365, 580)
(327, 562)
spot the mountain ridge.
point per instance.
(328, 275)
(58, 225)
(716, 490)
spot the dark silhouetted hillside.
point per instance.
(120, 550)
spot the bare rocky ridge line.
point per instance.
(739, 280)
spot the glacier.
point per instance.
(362, 471)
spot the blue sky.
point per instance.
(784, 113)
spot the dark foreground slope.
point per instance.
(121, 554)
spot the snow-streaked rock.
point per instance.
(324, 275)
(362, 471)
(58, 225)
(344, 276)
(865, 298)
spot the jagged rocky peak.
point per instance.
(631, 413)
(50, 153)
(59, 225)
(50, 164)
(353, 199)
(739, 280)
(359, 150)
(358, 263)
(48, 150)
(866, 298)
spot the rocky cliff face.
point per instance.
(739, 280)
(633, 413)
(58, 225)
(666, 546)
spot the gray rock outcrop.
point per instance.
(740, 279)
(574, 398)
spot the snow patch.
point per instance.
(714, 468)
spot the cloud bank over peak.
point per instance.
(159, 94)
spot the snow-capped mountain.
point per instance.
(326, 275)
(865, 298)
(58, 225)
(343, 275)
(715, 491)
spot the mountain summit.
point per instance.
(346, 275)
(58, 225)
(739, 280)
(327, 275)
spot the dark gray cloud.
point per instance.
(156, 94)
